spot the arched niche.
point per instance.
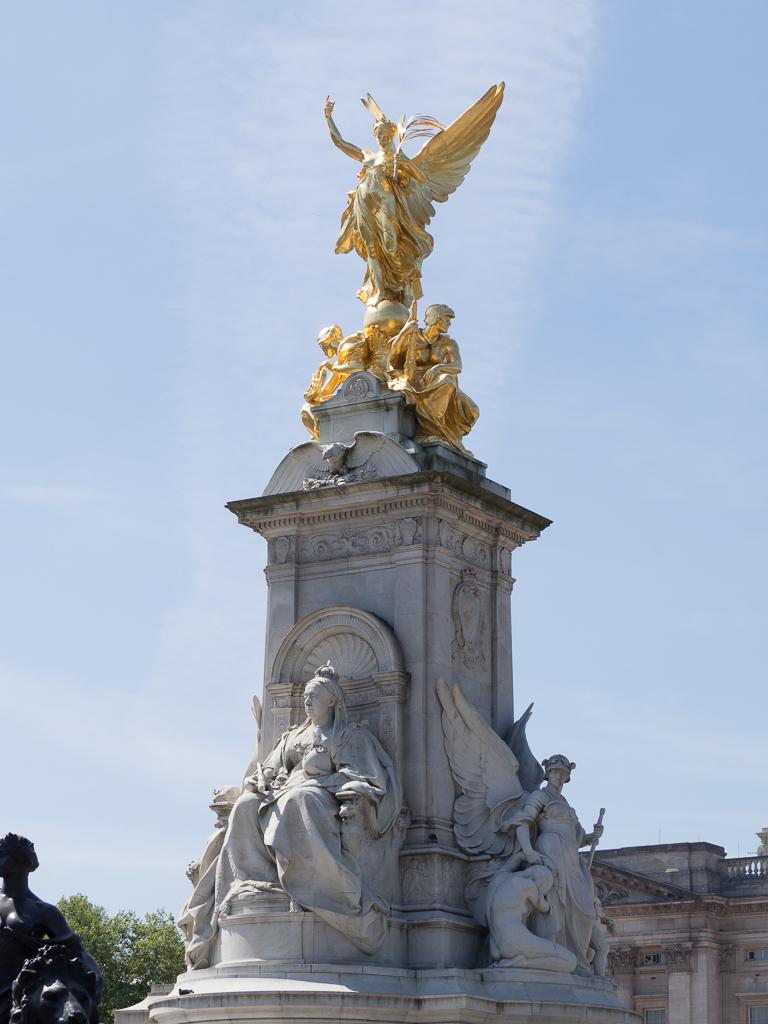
(364, 651)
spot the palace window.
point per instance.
(654, 958)
(656, 1017)
(757, 954)
(758, 1015)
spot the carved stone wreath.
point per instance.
(358, 388)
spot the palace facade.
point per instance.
(691, 943)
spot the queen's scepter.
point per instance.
(261, 781)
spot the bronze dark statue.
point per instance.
(55, 987)
(27, 924)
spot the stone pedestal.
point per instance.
(364, 403)
(249, 935)
(366, 993)
(398, 581)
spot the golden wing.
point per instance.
(446, 158)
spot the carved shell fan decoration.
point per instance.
(349, 654)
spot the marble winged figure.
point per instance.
(528, 885)
(387, 214)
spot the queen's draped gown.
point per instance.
(290, 838)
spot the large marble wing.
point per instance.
(257, 714)
(483, 768)
(531, 773)
(446, 158)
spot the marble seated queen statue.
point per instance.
(285, 830)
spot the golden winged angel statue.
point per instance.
(387, 213)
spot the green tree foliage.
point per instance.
(133, 953)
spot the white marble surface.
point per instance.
(369, 454)
(363, 402)
(364, 993)
(317, 828)
(398, 581)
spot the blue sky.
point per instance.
(169, 204)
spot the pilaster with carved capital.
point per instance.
(621, 964)
(724, 955)
(622, 959)
(678, 956)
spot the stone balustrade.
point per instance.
(746, 867)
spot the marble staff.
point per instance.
(593, 845)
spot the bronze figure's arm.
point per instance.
(452, 366)
(346, 147)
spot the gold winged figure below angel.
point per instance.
(387, 213)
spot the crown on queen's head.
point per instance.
(326, 672)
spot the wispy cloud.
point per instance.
(49, 495)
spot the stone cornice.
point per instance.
(621, 910)
(333, 528)
(720, 906)
(384, 496)
(665, 899)
(270, 525)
